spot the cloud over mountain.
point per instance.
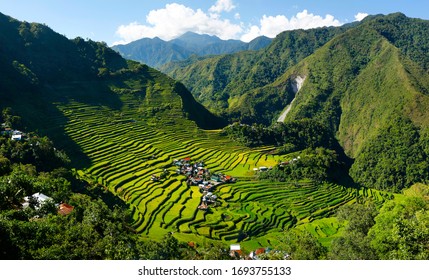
(270, 26)
(176, 19)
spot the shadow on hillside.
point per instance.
(197, 112)
(40, 112)
(93, 93)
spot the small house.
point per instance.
(203, 206)
(16, 137)
(254, 255)
(65, 209)
(38, 198)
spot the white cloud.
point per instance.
(360, 16)
(221, 6)
(270, 26)
(176, 19)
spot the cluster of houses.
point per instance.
(282, 164)
(198, 175)
(292, 161)
(208, 199)
(37, 200)
(15, 135)
(236, 253)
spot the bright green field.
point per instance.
(125, 149)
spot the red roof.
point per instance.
(187, 159)
(65, 209)
(260, 251)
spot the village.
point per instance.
(15, 135)
(197, 175)
(38, 200)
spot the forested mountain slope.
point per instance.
(40, 68)
(218, 82)
(371, 90)
(368, 83)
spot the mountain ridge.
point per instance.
(41, 68)
(157, 52)
(365, 82)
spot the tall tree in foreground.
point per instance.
(302, 245)
(401, 230)
(354, 244)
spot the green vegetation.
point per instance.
(399, 230)
(288, 137)
(318, 165)
(220, 82)
(404, 164)
(361, 81)
(122, 123)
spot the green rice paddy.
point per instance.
(125, 148)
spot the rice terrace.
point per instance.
(127, 150)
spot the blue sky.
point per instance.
(123, 21)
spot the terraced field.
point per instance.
(125, 149)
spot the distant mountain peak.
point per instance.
(157, 52)
(191, 34)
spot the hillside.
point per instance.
(368, 84)
(218, 82)
(157, 52)
(373, 98)
(39, 63)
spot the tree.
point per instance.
(5, 165)
(168, 249)
(214, 251)
(8, 249)
(401, 230)
(302, 245)
(354, 244)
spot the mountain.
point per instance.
(219, 81)
(367, 82)
(156, 52)
(153, 52)
(40, 69)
